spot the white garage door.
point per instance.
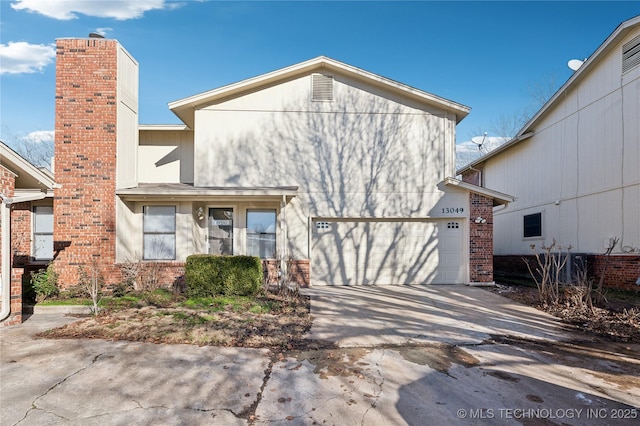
(389, 252)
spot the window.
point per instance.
(533, 225)
(159, 241)
(221, 231)
(453, 225)
(43, 232)
(261, 233)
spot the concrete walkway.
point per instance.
(406, 356)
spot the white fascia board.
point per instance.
(165, 127)
(498, 197)
(10, 158)
(184, 108)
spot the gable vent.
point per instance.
(321, 87)
(631, 54)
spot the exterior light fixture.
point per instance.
(480, 219)
(200, 213)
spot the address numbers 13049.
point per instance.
(452, 210)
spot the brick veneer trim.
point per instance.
(85, 153)
(480, 239)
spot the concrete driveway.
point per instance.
(385, 355)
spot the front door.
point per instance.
(221, 231)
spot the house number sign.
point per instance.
(451, 210)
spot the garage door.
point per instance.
(387, 252)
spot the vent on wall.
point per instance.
(321, 87)
(631, 54)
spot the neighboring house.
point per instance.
(333, 174)
(574, 168)
(26, 227)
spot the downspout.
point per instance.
(283, 251)
(6, 247)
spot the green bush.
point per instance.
(45, 283)
(209, 275)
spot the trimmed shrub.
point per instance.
(210, 275)
(45, 283)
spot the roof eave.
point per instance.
(18, 161)
(528, 129)
(184, 108)
(498, 198)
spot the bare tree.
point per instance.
(36, 148)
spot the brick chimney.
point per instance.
(88, 114)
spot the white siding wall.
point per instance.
(127, 127)
(165, 156)
(365, 154)
(581, 169)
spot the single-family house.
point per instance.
(574, 168)
(331, 174)
(26, 227)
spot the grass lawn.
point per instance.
(164, 317)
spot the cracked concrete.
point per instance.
(395, 361)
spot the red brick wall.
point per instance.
(480, 239)
(299, 271)
(7, 187)
(622, 271)
(21, 233)
(85, 156)
(473, 176)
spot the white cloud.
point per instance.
(40, 136)
(69, 9)
(21, 57)
(103, 31)
(469, 151)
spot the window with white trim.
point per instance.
(159, 229)
(261, 233)
(43, 232)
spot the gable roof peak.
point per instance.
(185, 108)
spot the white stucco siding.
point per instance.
(165, 157)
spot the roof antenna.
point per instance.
(474, 140)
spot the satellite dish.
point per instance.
(574, 64)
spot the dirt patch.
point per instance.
(283, 329)
(439, 357)
(616, 320)
(342, 362)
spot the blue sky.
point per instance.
(486, 55)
